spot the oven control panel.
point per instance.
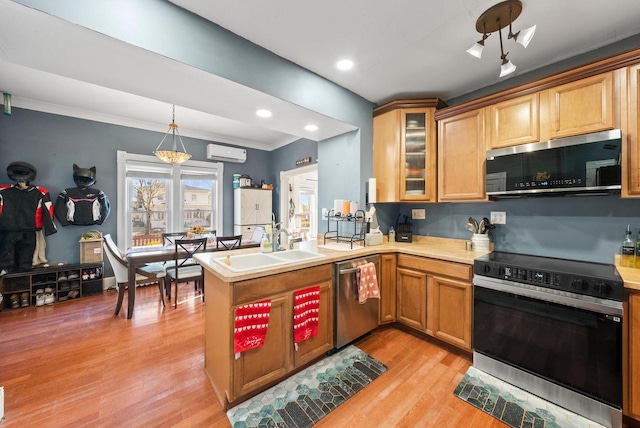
(604, 288)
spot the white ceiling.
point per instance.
(400, 49)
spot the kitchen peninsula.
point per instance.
(236, 379)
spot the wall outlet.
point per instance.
(498, 217)
(418, 214)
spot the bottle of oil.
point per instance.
(628, 252)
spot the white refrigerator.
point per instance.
(251, 208)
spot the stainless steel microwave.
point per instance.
(585, 164)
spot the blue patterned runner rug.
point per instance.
(311, 394)
(513, 406)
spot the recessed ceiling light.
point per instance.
(263, 113)
(311, 128)
(345, 64)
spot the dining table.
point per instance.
(139, 256)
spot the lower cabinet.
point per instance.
(412, 298)
(633, 356)
(388, 266)
(255, 369)
(434, 297)
(449, 310)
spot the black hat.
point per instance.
(21, 172)
(84, 177)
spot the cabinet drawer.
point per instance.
(262, 288)
(439, 267)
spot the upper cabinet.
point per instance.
(404, 150)
(461, 157)
(631, 168)
(580, 107)
(514, 122)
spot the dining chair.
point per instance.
(186, 269)
(228, 242)
(144, 275)
(168, 238)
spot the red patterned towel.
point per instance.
(306, 306)
(367, 283)
(251, 325)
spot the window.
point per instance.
(156, 197)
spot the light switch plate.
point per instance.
(498, 217)
(418, 214)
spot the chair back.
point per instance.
(168, 238)
(228, 242)
(116, 259)
(186, 248)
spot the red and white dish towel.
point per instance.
(367, 283)
(306, 308)
(251, 324)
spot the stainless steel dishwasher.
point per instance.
(352, 319)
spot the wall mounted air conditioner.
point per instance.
(226, 153)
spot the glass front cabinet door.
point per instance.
(417, 155)
(404, 150)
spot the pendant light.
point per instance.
(173, 155)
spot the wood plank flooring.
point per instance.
(75, 364)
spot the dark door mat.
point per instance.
(513, 406)
(308, 396)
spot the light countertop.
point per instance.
(452, 250)
(630, 275)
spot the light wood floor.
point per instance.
(75, 364)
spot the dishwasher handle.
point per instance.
(353, 269)
(347, 271)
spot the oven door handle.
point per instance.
(588, 303)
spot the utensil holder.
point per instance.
(480, 242)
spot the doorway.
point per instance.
(298, 201)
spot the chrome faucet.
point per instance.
(276, 239)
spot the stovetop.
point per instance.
(586, 278)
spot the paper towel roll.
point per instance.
(346, 206)
(337, 206)
(372, 190)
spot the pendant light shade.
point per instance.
(524, 36)
(476, 49)
(173, 155)
(507, 67)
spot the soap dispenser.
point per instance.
(265, 243)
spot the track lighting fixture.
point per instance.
(495, 19)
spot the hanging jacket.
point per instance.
(25, 210)
(82, 206)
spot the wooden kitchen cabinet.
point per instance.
(434, 296)
(412, 298)
(234, 379)
(272, 361)
(631, 168)
(515, 121)
(462, 157)
(404, 150)
(277, 357)
(579, 107)
(321, 343)
(387, 311)
(633, 354)
(449, 311)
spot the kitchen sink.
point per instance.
(247, 262)
(297, 255)
(256, 261)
